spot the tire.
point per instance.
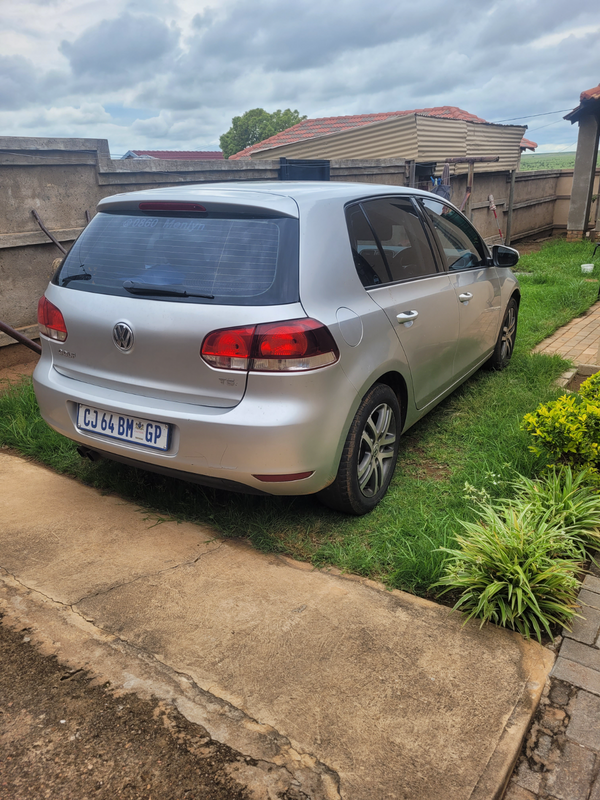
(506, 338)
(369, 455)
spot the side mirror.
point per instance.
(503, 256)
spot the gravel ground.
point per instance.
(63, 736)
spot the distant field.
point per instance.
(549, 161)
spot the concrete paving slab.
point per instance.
(352, 690)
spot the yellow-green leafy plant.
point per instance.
(590, 388)
(567, 430)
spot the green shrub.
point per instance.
(566, 500)
(515, 570)
(567, 429)
(590, 388)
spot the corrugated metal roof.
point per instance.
(327, 126)
(419, 137)
(496, 140)
(440, 138)
(396, 137)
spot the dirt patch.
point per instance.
(63, 737)
(16, 362)
(575, 383)
(424, 465)
(533, 245)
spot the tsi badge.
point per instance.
(123, 337)
(67, 353)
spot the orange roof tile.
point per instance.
(314, 128)
(588, 101)
(527, 144)
(590, 94)
(181, 155)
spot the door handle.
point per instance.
(407, 316)
(465, 297)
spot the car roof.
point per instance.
(275, 195)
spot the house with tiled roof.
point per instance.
(177, 155)
(425, 135)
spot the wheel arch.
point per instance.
(398, 385)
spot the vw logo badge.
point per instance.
(123, 337)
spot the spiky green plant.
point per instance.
(515, 570)
(565, 499)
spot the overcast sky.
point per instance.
(170, 75)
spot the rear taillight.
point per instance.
(292, 346)
(51, 322)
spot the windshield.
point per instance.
(231, 259)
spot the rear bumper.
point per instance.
(285, 425)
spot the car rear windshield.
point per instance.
(232, 259)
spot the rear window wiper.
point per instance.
(79, 276)
(165, 290)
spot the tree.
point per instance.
(255, 126)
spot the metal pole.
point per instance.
(511, 199)
(19, 337)
(468, 212)
(47, 232)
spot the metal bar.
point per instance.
(511, 205)
(47, 232)
(499, 203)
(536, 201)
(412, 175)
(470, 177)
(534, 231)
(19, 337)
(471, 159)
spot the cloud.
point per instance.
(19, 84)
(122, 49)
(168, 74)
(86, 115)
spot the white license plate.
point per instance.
(144, 432)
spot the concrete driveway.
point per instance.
(333, 685)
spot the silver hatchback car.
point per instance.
(269, 337)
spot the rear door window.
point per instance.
(388, 241)
(232, 259)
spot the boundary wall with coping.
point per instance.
(64, 179)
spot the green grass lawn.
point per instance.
(548, 161)
(471, 439)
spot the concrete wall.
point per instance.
(62, 179)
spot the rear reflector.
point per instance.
(50, 321)
(297, 476)
(295, 345)
(166, 205)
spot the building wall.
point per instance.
(387, 139)
(415, 137)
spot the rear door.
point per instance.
(396, 265)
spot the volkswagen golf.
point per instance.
(271, 338)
